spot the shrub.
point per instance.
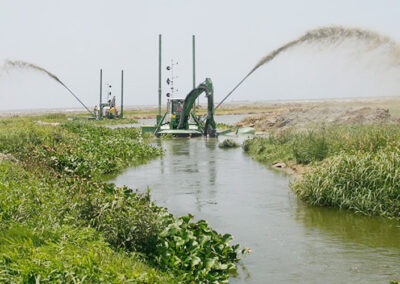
(353, 167)
(67, 255)
(309, 147)
(195, 251)
(59, 222)
(266, 151)
(55, 116)
(367, 183)
(228, 143)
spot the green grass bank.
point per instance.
(61, 222)
(349, 167)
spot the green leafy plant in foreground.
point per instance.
(60, 222)
(68, 255)
(195, 251)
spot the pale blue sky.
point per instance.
(74, 39)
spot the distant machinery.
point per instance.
(108, 109)
(180, 118)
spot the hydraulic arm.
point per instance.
(209, 128)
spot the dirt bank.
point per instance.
(283, 118)
(296, 171)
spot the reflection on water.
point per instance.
(291, 242)
(357, 230)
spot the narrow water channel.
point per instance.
(291, 242)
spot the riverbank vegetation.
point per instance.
(64, 117)
(349, 167)
(61, 222)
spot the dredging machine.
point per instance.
(180, 119)
(108, 108)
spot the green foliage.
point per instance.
(67, 255)
(59, 222)
(101, 150)
(55, 116)
(316, 144)
(168, 136)
(268, 150)
(77, 148)
(55, 238)
(128, 220)
(105, 121)
(223, 126)
(353, 167)
(228, 143)
(309, 147)
(195, 251)
(367, 183)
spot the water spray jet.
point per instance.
(26, 65)
(330, 35)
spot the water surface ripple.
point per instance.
(291, 242)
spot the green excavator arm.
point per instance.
(209, 128)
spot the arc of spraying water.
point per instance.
(334, 34)
(22, 64)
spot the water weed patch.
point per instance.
(228, 143)
(367, 183)
(351, 167)
(195, 251)
(61, 222)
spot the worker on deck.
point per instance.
(96, 111)
(112, 112)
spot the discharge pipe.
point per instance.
(79, 100)
(194, 60)
(230, 93)
(101, 93)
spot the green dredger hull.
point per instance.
(180, 132)
(173, 132)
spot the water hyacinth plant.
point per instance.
(195, 251)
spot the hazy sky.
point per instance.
(74, 39)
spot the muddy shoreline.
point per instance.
(235, 108)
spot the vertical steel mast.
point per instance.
(159, 79)
(101, 94)
(194, 68)
(122, 95)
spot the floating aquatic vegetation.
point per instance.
(228, 143)
(55, 206)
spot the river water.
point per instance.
(291, 242)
